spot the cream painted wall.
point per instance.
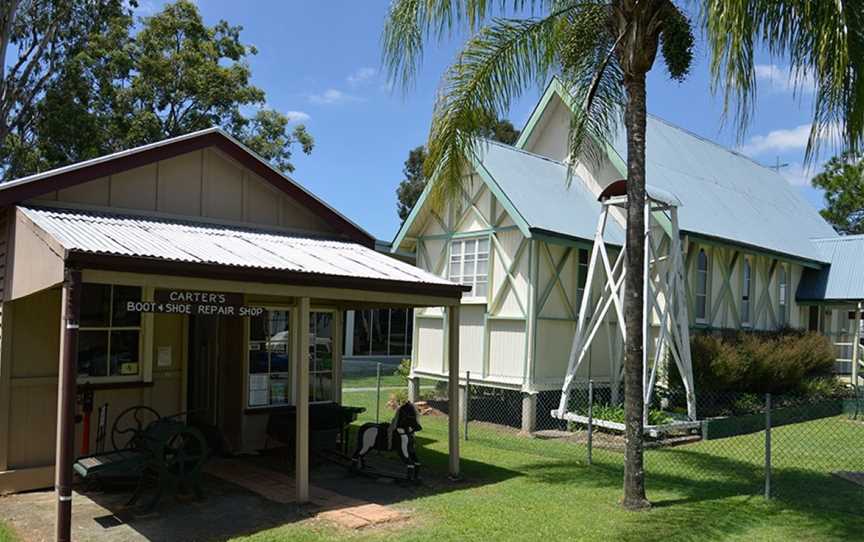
(493, 338)
(205, 184)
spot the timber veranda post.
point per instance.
(301, 454)
(65, 454)
(453, 388)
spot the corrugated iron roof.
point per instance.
(727, 195)
(843, 280)
(542, 194)
(100, 233)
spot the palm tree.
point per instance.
(602, 51)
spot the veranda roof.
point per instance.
(842, 280)
(249, 251)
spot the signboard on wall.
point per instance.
(195, 303)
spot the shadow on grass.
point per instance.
(717, 497)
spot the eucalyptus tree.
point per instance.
(602, 51)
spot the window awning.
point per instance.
(148, 244)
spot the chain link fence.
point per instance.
(805, 450)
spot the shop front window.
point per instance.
(109, 338)
(382, 332)
(269, 359)
(321, 356)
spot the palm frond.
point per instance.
(593, 79)
(496, 65)
(819, 39)
(411, 22)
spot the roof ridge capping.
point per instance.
(560, 86)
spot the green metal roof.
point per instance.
(542, 196)
(725, 195)
(843, 280)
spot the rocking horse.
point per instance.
(398, 436)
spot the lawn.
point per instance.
(520, 489)
(6, 534)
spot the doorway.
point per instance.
(214, 393)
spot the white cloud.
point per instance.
(791, 139)
(332, 96)
(781, 79)
(361, 76)
(297, 116)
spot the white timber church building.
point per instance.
(756, 254)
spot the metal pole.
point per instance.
(378, 392)
(767, 445)
(590, 420)
(66, 405)
(467, 400)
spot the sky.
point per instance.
(320, 63)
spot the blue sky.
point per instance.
(319, 61)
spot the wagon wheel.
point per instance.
(181, 455)
(130, 424)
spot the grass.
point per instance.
(519, 489)
(6, 534)
(387, 380)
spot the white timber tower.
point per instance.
(665, 325)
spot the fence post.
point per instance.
(467, 400)
(590, 420)
(767, 446)
(378, 392)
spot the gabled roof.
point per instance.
(19, 190)
(542, 195)
(94, 238)
(725, 195)
(536, 193)
(841, 281)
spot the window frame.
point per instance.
(746, 292)
(143, 327)
(291, 372)
(783, 296)
(462, 240)
(333, 338)
(699, 273)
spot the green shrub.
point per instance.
(753, 362)
(612, 413)
(403, 371)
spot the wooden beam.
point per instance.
(453, 388)
(301, 364)
(65, 453)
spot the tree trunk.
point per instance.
(634, 472)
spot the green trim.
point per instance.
(412, 216)
(556, 88)
(750, 249)
(560, 239)
(502, 198)
(464, 234)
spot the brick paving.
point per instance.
(345, 511)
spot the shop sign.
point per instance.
(195, 303)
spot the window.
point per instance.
(583, 273)
(109, 338)
(701, 286)
(321, 356)
(269, 359)
(469, 264)
(745, 293)
(781, 296)
(382, 332)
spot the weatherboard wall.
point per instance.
(199, 184)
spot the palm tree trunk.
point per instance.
(634, 472)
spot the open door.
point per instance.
(214, 392)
